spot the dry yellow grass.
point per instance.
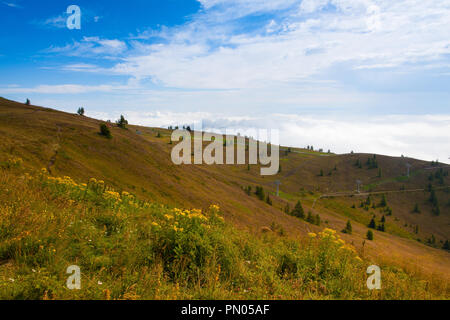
(70, 145)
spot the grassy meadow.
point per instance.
(140, 227)
(132, 249)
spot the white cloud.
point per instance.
(56, 22)
(12, 5)
(64, 89)
(91, 47)
(400, 33)
(218, 62)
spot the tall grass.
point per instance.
(132, 249)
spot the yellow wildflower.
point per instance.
(214, 207)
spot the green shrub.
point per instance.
(298, 211)
(348, 228)
(104, 131)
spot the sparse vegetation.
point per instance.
(372, 163)
(372, 224)
(348, 228)
(383, 202)
(298, 211)
(104, 131)
(268, 200)
(260, 193)
(122, 122)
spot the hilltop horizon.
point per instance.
(211, 125)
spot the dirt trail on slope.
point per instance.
(365, 194)
(56, 147)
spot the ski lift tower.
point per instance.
(278, 182)
(358, 185)
(408, 167)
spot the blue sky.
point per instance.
(363, 75)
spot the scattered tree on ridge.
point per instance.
(372, 224)
(383, 202)
(348, 228)
(268, 200)
(446, 245)
(122, 122)
(260, 193)
(298, 211)
(104, 131)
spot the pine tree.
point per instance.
(383, 202)
(432, 240)
(104, 131)
(348, 228)
(268, 200)
(372, 224)
(310, 217)
(318, 220)
(446, 245)
(433, 199)
(370, 235)
(383, 219)
(122, 122)
(298, 211)
(260, 193)
(80, 111)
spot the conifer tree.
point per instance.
(372, 224)
(348, 228)
(298, 211)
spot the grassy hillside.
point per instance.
(137, 160)
(127, 248)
